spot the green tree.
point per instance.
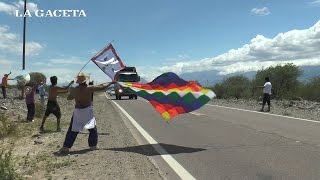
(218, 90)
(35, 78)
(310, 90)
(235, 86)
(284, 79)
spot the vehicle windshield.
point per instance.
(128, 77)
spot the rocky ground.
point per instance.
(36, 155)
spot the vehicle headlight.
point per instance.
(120, 90)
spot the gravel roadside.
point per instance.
(118, 156)
(106, 163)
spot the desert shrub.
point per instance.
(284, 79)
(218, 90)
(37, 77)
(7, 171)
(234, 87)
(7, 127)
(310, 90)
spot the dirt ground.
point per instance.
(36, 155)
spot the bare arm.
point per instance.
(100, 87)
(8, 76)
(64, 89)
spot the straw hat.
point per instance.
(81, 78)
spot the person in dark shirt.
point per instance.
(30, 91)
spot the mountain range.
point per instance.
(209, 78)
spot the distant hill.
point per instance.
(309, 72)
(142, 80)
(206, 78)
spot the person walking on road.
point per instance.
(83, 116)
(266, 94)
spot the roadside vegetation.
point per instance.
(285, 85)
(7, 169)
(15, 134)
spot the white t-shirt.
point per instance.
(267, 88)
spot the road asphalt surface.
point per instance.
(217, 142)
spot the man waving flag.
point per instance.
(108, 61)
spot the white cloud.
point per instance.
(314, 3)
(300, 47)
(10, 42)
(149, 72)
(92, 51)
(70, 60)
(11, 8)
(180, 57)
(264, 11)
(6, 62)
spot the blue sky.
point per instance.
(159, 36)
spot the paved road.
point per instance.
(221, 143)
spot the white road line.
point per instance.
(183, 173)
(300, 119)
(141, 99)
(196, 113)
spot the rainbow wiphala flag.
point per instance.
(171, 95)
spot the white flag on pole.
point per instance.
(108, 61)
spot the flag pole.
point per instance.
(90, 60)
(24, 36)
(84, 66)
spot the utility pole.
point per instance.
(24, 37)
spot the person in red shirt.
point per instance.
(4, 85)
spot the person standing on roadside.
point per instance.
(42, 92)
(83, 116)
(266, 94)
(30, 92)
(52, 105)
(4, 85)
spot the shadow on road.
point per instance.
(147, 150)
(150, 149)
(83, 151)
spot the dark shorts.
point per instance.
(53, 107)
(266, 99)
